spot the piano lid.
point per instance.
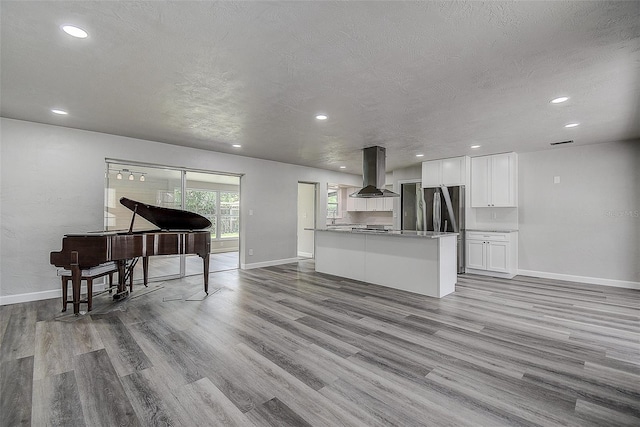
(167, 218)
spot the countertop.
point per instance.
(359, 225)
(396, 233)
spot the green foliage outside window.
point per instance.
(332, 204)
(222, 208)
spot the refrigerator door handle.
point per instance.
(424, 211)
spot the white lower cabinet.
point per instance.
(476, 254)
(492, 253)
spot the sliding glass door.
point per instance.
(212, 195)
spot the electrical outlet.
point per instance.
(250, 252)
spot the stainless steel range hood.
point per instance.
(373, 171)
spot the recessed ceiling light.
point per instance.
(322, 117)
(559, 100)
(419, 155)
(343, 167)
(75, 31)
(475, 146)
(236, 145)
(59, 112)
(571, 125)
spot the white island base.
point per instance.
(419, 262)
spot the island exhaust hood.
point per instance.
(373, 171)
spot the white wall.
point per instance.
(53, 183)
(306, 206)
(587, 227)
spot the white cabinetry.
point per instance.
(492, 253)
(388, 203)
(384, 204)
(494, 181)
(376, 204)
(447, 172)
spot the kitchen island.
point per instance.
(422, 262)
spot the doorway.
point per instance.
(306, 218)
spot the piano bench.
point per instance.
(87, 275)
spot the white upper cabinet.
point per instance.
(378, 204)
(388, 204)
(432, 173)
(480, 177)
(494, 181)
(447, 172)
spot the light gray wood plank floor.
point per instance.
(286, 346)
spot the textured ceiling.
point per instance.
(414, 77)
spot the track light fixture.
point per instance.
(131, 176)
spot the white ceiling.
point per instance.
(414, 77)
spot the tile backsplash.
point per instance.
(365, 217)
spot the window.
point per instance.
(222, 208)
(333, 201)
(205, 203)
(229, 214)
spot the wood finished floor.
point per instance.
(285, 346)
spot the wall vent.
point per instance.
(561, 142)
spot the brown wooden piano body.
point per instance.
(85, 250)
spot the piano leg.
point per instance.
(65, 296)
(75, 284)
(205, 262)
(145, 270)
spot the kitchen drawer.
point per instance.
(488, 236)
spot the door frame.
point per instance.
(314, 210)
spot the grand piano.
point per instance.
(180, 232)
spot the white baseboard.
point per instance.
(305, 254)
(490, 273)
(42, 295)
(249, 266)
(582, 279)
(223, 250)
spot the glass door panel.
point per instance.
(216, 197)
(155, 186)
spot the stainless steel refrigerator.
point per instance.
(451, 214)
